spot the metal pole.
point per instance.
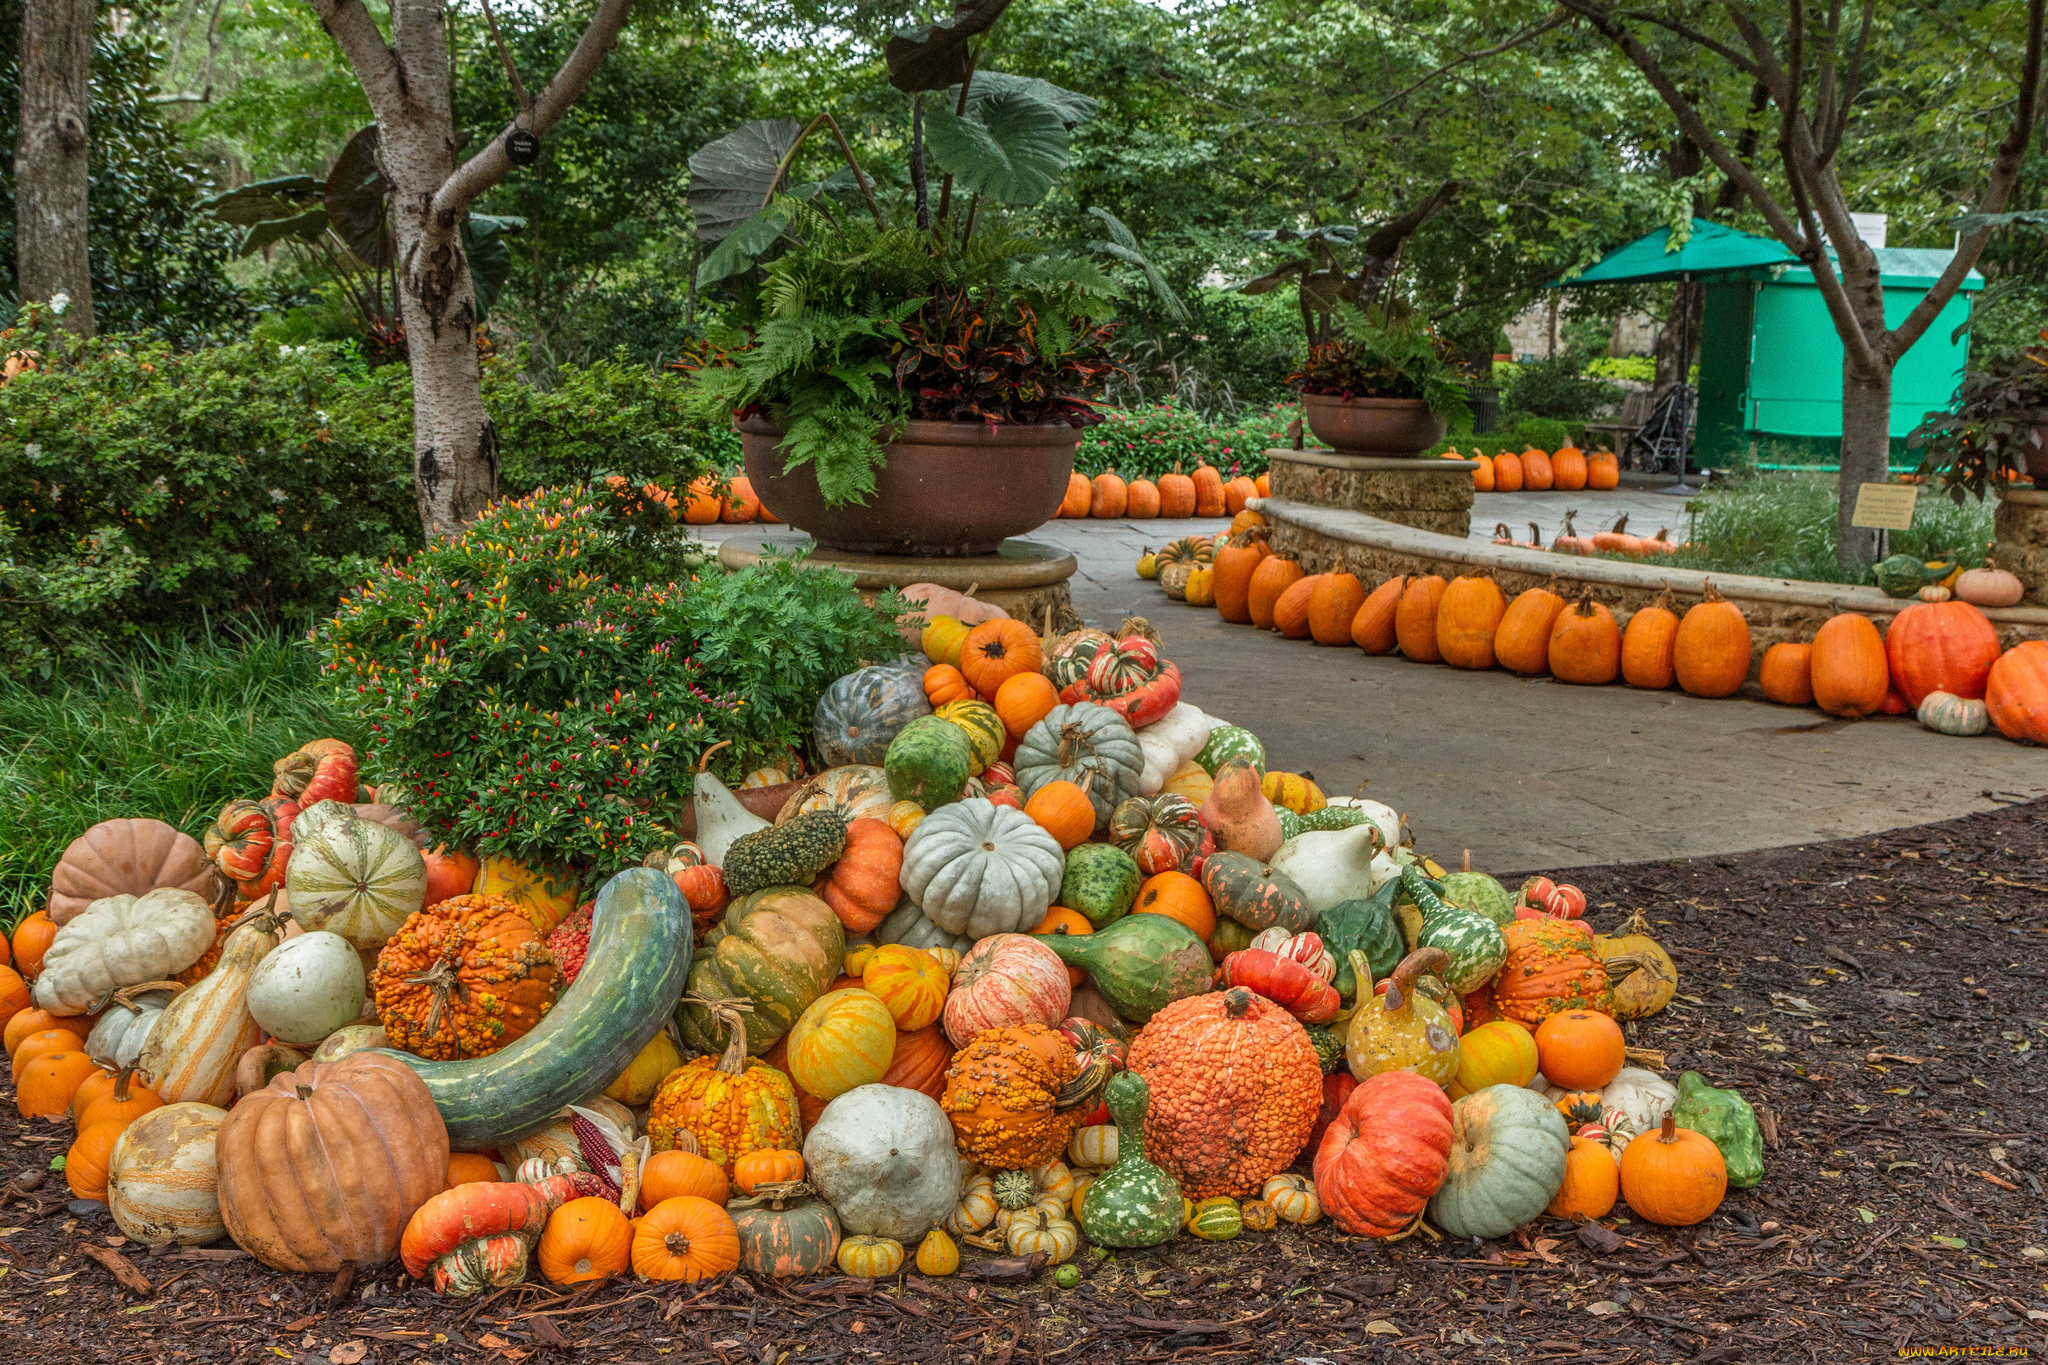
(1684, 406)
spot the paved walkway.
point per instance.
(1646, 508)
(1531, 774)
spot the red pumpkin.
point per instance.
(1285, 982)
(1006, 980)
(1385, 1154)
(1337, 1088)
(1941, 647)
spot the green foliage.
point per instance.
(543, 685)
(1557, 388)
(1985, 435)
(1641, 369)
(172, 731)
(1393, 358)
(1152, 440)
(1519, 435)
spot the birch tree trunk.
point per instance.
(50, 173)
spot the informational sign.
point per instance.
(1885, 506)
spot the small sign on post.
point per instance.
(1885, 506)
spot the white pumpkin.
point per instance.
(123, 941)
(1169, 742)
(1990, 587)
(352, 877)
(162, 1177)
(123, 1029)
(1333, 866)
(980, 869)
(307, 987)
(720, 817)
(354, 1038)
(1947, 714)
(884, 1157)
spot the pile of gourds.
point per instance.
(986, 979)
(1939, 659)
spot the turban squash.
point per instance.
(463, 978)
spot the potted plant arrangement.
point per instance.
(909, 377)
(1996, 430)
(1380, 386)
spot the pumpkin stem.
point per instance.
(125, 996)
(676, 1244)
(1236, 1001)
(704, 759)
(439, 979)
(726, 1013)
(1465, 863)
(1670, 1133)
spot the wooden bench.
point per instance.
(1635, 410)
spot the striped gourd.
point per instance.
(191, 1054)
(1231, 741)
(985, 733)
(162, 1176)
(1217, 1219)
(353, 877)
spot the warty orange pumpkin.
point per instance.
(1012, 1096)
(463, 978)
(1551, 965)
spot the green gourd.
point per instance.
(1329, 1045)
(1471, 943)
(1367, 926)
(1227, 742)
(1256, 894)
(792, 853)
(1101, 882)
(1140, 964)
(929, 762)
(1403, 1030)
(1725, 1118)
(1134, 1203)
(1477, 892)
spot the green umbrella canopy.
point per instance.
(1711, 250)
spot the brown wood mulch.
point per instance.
(1880, 1000)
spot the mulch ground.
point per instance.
(1880, 1000)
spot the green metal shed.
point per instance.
(1771, 361)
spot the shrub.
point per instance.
(543, 685)
(1556, 388)
(1149, 441)
(1642, 369)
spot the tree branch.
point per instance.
(490, 165)
(1852, 86)
(1693, 35)
(349, 23)
(1559, 16)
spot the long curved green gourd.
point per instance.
(1725, 1119)
(1471, 941)
(640, 942)
(1134, 1203)
(1140, 963)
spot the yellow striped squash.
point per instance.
(202, 1034)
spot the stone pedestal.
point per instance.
(2021, 526)
(1430, 495)
(1024, 578)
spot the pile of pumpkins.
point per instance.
(1939, 659)
(1567, 470)
(1041, 955)
(1204, 493)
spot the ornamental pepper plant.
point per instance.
(542, 685)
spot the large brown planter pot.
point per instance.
(948, 488)
(1391, 428)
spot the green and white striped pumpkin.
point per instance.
(1231, 741)
(352, 877)
(858, 715)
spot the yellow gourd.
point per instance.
(1202, 587)
(937, 1254)
(942, 639)
(1650, 987)
(1403, 1030)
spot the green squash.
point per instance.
(1217, 1219)
(1101, 882)
(1134, 1203)
(929, 762)
(1369, 927)
(1230, 937)
(1255, 894)
(1508, 1146)
(857, 716)
(631, 979)
(778, 949)
(783, 1236)
(792, 853)
(1329, 1046)
(1231, 741)
(1478, 892)
(1471, 941)
(1140, 964)
(1904, 576)
(1725, 1119)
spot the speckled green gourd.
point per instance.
(1724, 1118)
(1101, 882)
(1328, 819)
(1367, 926)
(1329, 1046)
(1231, 741)
(1471, 940)
(789, 854)
(1478, 892)
(1134, 1203)
(929, 762)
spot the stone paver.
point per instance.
(1532, 774)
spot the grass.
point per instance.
(173, 732)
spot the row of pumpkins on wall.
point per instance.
(1012, 935)
(1204, 493)
(1940, 660)
(1566, 470)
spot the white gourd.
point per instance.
(162, 1178)
(352, 877)
(1167, 743)
(1380, 813)
(307, 987)
(192, 1052)
(1634, 1102)
(123, 1029)
(122, 941)
(884, 1157)
(1332, 866)
(354, 1038)
(980, 869)
(720, 817)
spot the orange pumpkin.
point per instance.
(33, 1020)
(1176, 494)
(701, 503)
(1375, 626)
(14, 995)
(1264, 485)
(1080, 496)
(1466, 619)
(43, 1089)
(686, 1239)
(1937, 647)
(1415, 618)
(586, 1240)
(1568, 469)
(1482, 474)
(1603, 471)
(1585, 645)
(49, 1040)
(1523, 641)
(861, 887)
(1234, 567)
(1178, 896)
(471, 1168)
(910, 984)
(921, 1060)
(997, 651)
(1209, 500)
(120, 1091)
(769, 1166)
(1141, 500)
(32, 938)
(1332, 605)
(1507, 472)
(1537, 475)
(1591, 1182)
(1786, 675)
(1674, 1176)
(741, 506)
(1291, 610)
(1850, 675)
(2016, 692)
(1647, 646)
(1274, 575)
(1237, 493)
(944, 683)
(1107, 496)
(1023, 700)
(1710, 653)
(1063, 810)
(669, 1174)
(91, 1152)
(1580, 1049)
(1551, 965)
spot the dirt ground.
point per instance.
(1881, 1000)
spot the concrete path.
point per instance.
(1646, 508)
(1532, 774)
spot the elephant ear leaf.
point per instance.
(934, 56)
(263, 201)
(1072, 106)
(1123, 245)
(355, 198)
(490, 260)
(1011, 150)
(306, 226)
(732, 179)
(743, 245)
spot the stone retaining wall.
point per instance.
(1325, 539)
(1430, 495)
(2021, 526)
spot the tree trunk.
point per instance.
(1684, 318)
(50, 172)
(1866, 457)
